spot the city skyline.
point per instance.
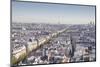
(26, 12)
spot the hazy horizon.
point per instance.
(26, 12)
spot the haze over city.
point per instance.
(27, 12)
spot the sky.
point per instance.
(32, 12)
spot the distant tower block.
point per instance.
(73, 46)
(44, 52)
